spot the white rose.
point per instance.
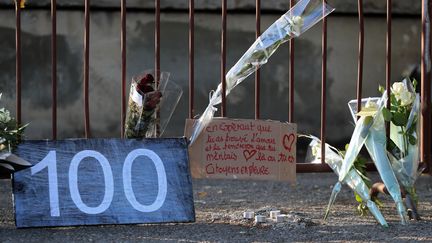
(398, 88)
(296, 24)
(406, 98)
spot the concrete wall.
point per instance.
(342, 6)
(105, 66)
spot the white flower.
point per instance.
(316, 150)
(371, 104)
(4, 116)
(398, 88)
(402, 94)
(406, 98)
(295, 24)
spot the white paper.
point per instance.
(137, 98)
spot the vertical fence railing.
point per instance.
(425, 119)
(157, 56)
(291, 77)
(388, 60)
(157, 38)
(323, 84)
(191, 57)
(257, 72)
(360, 54)
(18, 61)
(223, 56)
(54, 68)
(123, 65)
(86, 68)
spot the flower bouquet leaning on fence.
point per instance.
(152, 101)
(370, 131)
(11, 134)
(355, 179)
(301, 17)
(403, 147)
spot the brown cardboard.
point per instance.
(244, 149)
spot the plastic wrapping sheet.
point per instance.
(301, 17)
(406, 164)
(375, 140)
(334, 159)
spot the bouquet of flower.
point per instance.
(355, 179)
(370, 131)
(403, 149)
(11, 134)
(293, 23)
(151, 104)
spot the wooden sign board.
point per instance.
(244, 149)
(103, 181)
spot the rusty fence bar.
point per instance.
(425, 120)
(223, 56)
(18, 61)
(54, 68)
(291, 77)
(191, 57)
(257, 73)
(388, 61)
(157, 38)
(157, 56)
(123, 66)
(323, 84)
(86, 68)
(360, 54)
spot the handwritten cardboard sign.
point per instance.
(103, 181)
(244, 149)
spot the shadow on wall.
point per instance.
(36, 69)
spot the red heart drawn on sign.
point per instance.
(249, 154)
(288, 141)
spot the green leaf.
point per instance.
(381, 89)
(399, 119)
(414, 83)
(378, 202)
(362, 209)
(412, 139)
(358, 198)
(393, 101)
(387, 114)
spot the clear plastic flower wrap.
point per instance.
(375, 140)
(151, 104)
(404, 152)
(354, 180)
(293, 23)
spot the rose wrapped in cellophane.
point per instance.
(354, 179)
(403, 150)
(151, 104)
(293, 23)
(376, 144)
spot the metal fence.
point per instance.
(425, 119)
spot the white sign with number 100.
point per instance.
(50, 162)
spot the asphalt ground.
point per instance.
(220, 204)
